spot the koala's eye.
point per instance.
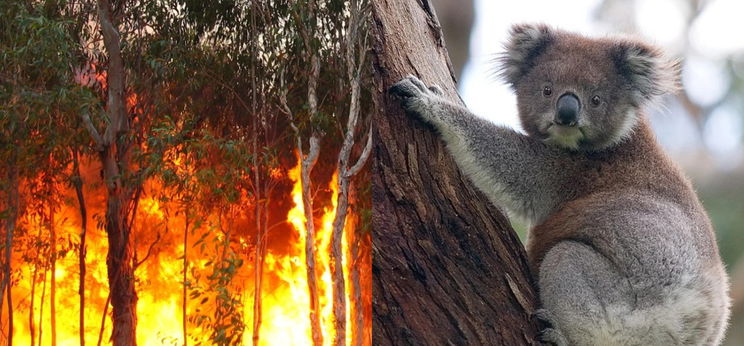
(547, 91)
(596, 101)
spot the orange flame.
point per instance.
(285, 297)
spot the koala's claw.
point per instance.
(410, 86)
(436, 90)
(415, 97)
(544, 315)
(553, 337)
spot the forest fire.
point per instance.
(214, 245)
(150, 190)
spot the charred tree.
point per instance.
(447, 267)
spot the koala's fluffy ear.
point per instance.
(649, 73)
(526, 42)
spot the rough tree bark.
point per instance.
(447, 267)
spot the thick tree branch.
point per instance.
(362, 158)
(97, 140)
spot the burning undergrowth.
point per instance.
(218, 246)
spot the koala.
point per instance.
(621, 248)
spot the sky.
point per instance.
(661, 22)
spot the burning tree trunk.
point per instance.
(356, 43)
(357, 317)
(53, 280)
(307, 162)
(260, 214)
(31, 308)
(184, 298)
(77, 183)
(441, 251)
(113, 149)
(260, 203)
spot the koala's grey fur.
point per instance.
(622, 248)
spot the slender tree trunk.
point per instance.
(10, 224)
(355, 53)
(447, 267)
(53, 282)
(258, 271)
(356, 289)
(308, 160)
(77, 182)
(337, 260)
(41, 306)
(103, 319)
(307, 164)
(184, 299)
(31, 322)
(260, 208)
(306, 167)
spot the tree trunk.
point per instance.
(357, 314)
(336, 264)
(259, 260)
(31, 322)
(77, 182)
(114, 158)
(354, 68)
(53, 280)
(120, 273)
(41, 306)
(10, 225)
(184, 298)
(306, 166)
(448, 268)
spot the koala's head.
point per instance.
(582, 93)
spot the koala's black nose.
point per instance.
(568, 110)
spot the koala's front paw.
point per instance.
(544, 315)
(553, 336)
(415, 97)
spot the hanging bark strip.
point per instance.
(447, 269)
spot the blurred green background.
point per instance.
(700, 127)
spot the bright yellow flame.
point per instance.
(285, 297)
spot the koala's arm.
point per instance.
(513, 170)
